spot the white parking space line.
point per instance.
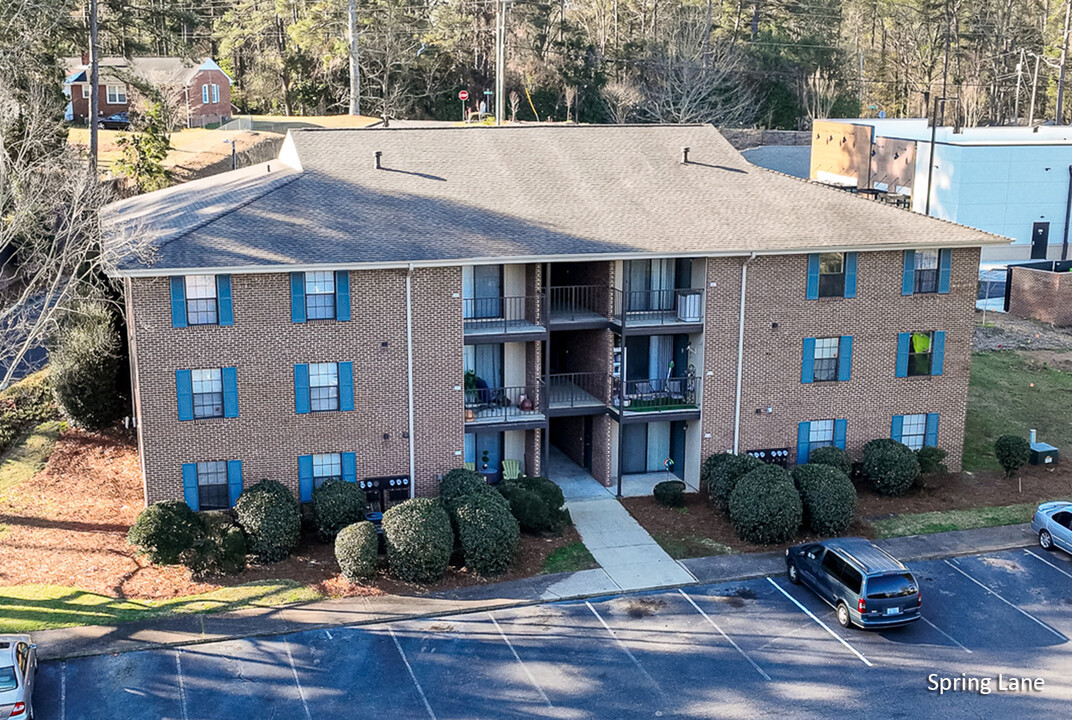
(713, 624)
(532, 678)
(182, 687)
(623, 647)
(297, 682)
(63, 690)
(1042, 559)
(412, 676)
(946, 635)
(1015, 607)
(823, 625)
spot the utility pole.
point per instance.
(1034, 91)
(355, 70)
(94, 87)
(500, 60)
(1061, 75)
(1019, 74)
(707, 37)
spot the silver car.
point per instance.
(18, 663)
(1053, 523)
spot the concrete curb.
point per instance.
(92, 640)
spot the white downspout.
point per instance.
(409, 376)
(740, 357)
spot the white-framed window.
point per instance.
(920, 353)
(212, 491)
(320, 295)
(826, 359)
(86, 88)
(201, 305)
(832, 275)
(821, 434)
(208, 393)
(914, 430)
(117, 95)
(326, 466)
(323, 386)
(204, 94)
(215, 93)
(926, 272)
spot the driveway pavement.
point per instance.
(739, 649)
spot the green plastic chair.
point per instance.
(470, 466)
(511, 469)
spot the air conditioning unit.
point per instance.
(690, 306)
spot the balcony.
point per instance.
(578, 393)
(673, 310)
(513, 317)
(578, 306)
(519, 405)
(677, 395)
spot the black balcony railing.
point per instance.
(494, 315)
(503, 404)
(672, 393)
(578, 390)
(659, 307)
(571, 303)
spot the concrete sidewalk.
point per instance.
(256, 622)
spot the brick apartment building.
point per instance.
(393, 303)
(202, 88)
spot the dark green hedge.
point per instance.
(1012, 452)
(765, 507)
(84, 362)
(357, 550)
(828, 497)
(723, 478)
(23, 405)
(890, 466)
(336, 504)
(419, 540)
(489, 534)
(223, 548)
(269, 515)
(833, 456)
(167, 532)
(670, 493)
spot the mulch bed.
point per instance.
(955, 491)
(68, 524)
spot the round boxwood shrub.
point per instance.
(547, 489)
(832, 456)
(707, 469)
(222, 549)
(459, 483)
(167, 532)
(336, 504)
(489, 534)
(828, 498)
(269, 515)
(725, 476)
(670, 493)
(1012, 452)
(419, 540)
(890, 466)
(765, 507)
(356, 550)
(930, 460)
(527, 506)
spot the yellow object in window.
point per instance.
(921, 342)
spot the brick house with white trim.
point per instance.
(389, 304)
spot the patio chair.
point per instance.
(511, 469)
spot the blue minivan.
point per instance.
(866, 585)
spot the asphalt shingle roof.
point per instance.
(512, 193)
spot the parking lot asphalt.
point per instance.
(740, 649)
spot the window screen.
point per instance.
(208, 393)
(832, 275)
(826, 359)
(323, 386)
(201, 307)
(320, 295)
(913, 430)
(326, 466)
(822, 434)
(926, 279)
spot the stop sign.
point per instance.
(463, 95)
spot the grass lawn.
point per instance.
(26, 608)
(569, 558)
(1002, 400)
(28, 455)
(690, 546)
(946, 520)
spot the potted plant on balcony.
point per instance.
(525, 403)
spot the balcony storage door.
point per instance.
(658, 446)
(677, 447)
(638, 283)
(660, 354)
(488, 363)
(489, 455)
(637, 355)
(635, 448)
(487, 291)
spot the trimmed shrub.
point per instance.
(24, 404)
(269, 515)
(832, 456)
(419, 540)
(1012, 452)
(670, 493)
(336, 504)
(459, 483)
(356, 550)
(223, 548)
(167, 532)
(489, 534)
(725, 476)
(890, 466)
(547, 489)
(528, 507)
(84, 360)
(930, 460)
(828, 498)
(708, 468)
(765, 507)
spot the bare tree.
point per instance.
(622, 99)
(571, 101)
(515, 105)
(818, 93)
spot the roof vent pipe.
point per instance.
(377, 155)
(684, 156)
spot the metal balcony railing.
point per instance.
(503, 404)
(659, 307)
(502, 315)
(572, 303)
(578, 390)
(672, 393)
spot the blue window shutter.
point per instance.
(840, 425)
(945, 268)
(178, 302)
(807, 364)
(850, 275)
(223, 299)
(184, 391)
(938, 353)
(305, 478)
(297, 297)
(346, 386)
(230, 392)
(342, 295)
(234, 480)
(904, 341)
(844, 368)
(813, 276)
(803, 441)
(301, 388)
(349, 467)
(908, 276)
(930, 439)
(897, 427)
(189, 486)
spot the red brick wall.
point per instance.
(1041, 295)
(209, 112)
(80, 105)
